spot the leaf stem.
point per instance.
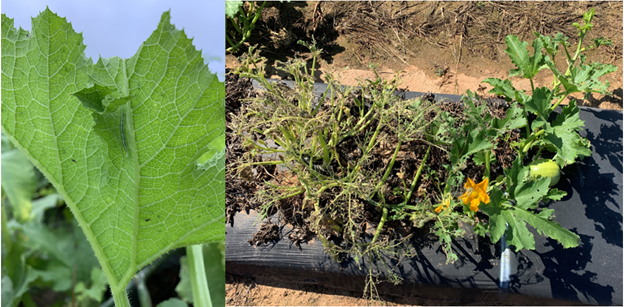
(120, 297)
(557, 104)
(199, 283)
(389, 169)
(144, 296)
(420, 168)
(384, 217)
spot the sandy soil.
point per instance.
(248, 293)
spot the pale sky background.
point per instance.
(117, 28)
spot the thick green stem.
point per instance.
(384, 216)
(528, 143)
(389, 169)
(558, 102)
(199, 283)
(528, 125)
(420, 168)
(538, 152)
(374, 138)
(120, 297)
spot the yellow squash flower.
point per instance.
(475, 194)
(445, 204)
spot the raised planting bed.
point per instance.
(512, 199)
(588, 274)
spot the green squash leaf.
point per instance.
(134, 185)
(497, 223)
(506, 89)
(544, 227)
(529, 192)
(527, 66)
(565, 140)
(539, 102)
(232, 7)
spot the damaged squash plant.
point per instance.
(122, 140)
(350, 166)
(335, 154)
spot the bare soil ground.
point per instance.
(242, 292)
(442, 47)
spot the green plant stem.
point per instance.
(420, 168)
(528, 143)
(539, 151)
(558, 102)
(326, 156)
(373, 138)
(144, 296)
(487, 165)
(248, 25)
(120, 297)
(146, 272)
(199, 283)
(384, 217)
(389, 169)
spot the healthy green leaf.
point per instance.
(477, 141)
(555, 194)
(42, 204)
(569, 87)
(568, 144)
(539, 102)
(232, 7)
(57, 276)
(134, 186)
(529, 192)
(546, 227)
(517, 234)
(528, 66)
(506, 89)
(19, 273)
(514, 119)
(68, 251)
(585, 77)
(511, 175)
(497, 222)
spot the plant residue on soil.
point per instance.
(442, 47)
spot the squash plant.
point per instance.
(122, 140)
(555, 137)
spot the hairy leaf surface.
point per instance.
(134, 185)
